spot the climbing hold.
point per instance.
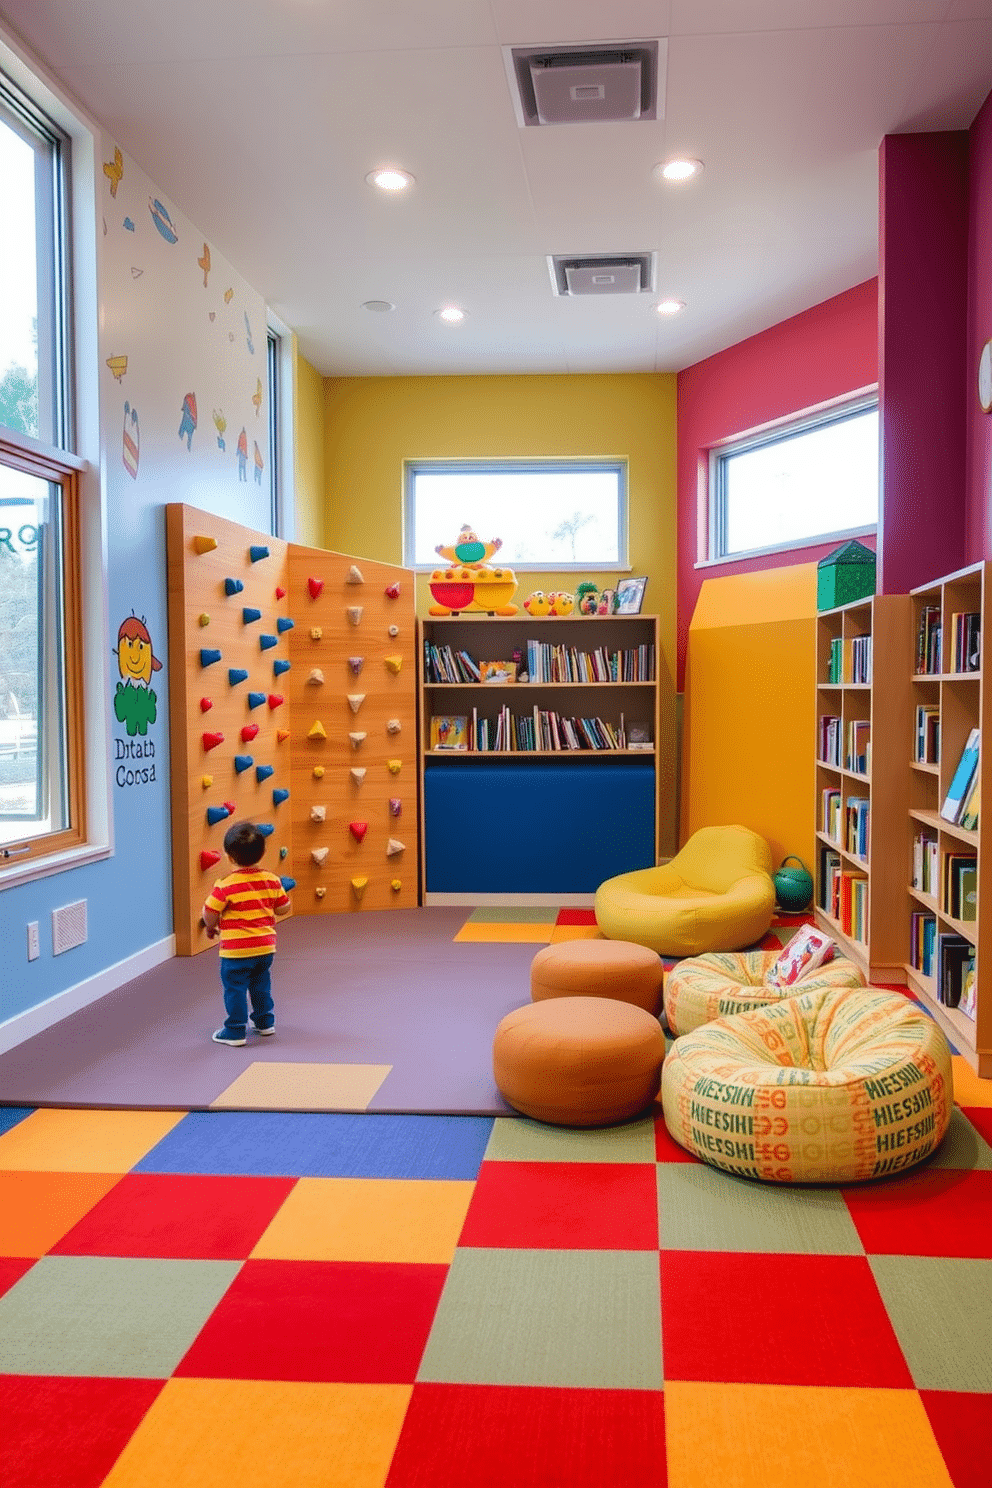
(204, 544)
(393, 847)
(204, 619)
(256, 699)
(394, 631)
(266, 828)
(266, 642)
(233, 586)
(210, 741)
(316, 677)
(283, 623)
(395, 806)
(354, 575)
(392, 591)
(318, 731)
(208, 657)
(276, 700)
(262, 772)
(217, 814)
(243, 762)
(359, 885)
(319, 854)
(249, 615)
(355, 700)
(281, 735)
(354, 613)
(257, 551)
(206, 781)
(394, 766)
(248, 732)
(280, 592)
(356, 663)
(358, 830)
(288, 883)
(396, 885)
(279, 666)
(279, 795)
(315, 632)
(358, 774)
(318, 772)
(284, 852)
(320, 891)
(357, 740)
(393, 726)
(208, 858)
(236, 675)
(393, 664)
(205, 705)
(315, 586)
(318, 813)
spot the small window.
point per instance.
(809, 482)
(274, 411)
(545, 514)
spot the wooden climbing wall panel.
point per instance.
(355, 826)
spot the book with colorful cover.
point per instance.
(967, 765)
(497, 671)
(971, 803)
(449, 732)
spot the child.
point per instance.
(242, 910)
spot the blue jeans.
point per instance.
(244, 977)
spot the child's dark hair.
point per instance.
(244, 844)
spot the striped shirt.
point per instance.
(246, 901)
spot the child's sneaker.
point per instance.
(225, 1036)
(268, 1029)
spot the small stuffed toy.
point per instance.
(561, 602)
(587, 599)
(537, 603)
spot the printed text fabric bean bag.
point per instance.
(722, 983)
(835, 1086)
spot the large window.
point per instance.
(41, 725)
(804, 483)
(560, 514)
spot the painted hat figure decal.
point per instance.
(135, 703)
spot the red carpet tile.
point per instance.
(962, 1425)
(981, 1119)
(576, 917)
(67, 1433)
(313, 1320)
(776, 1320)
(480, 1436)
(564, 1206)
(12, 1268)
(933, 1212)
(169, 1217)
(666, 1149)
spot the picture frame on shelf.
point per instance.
(630, 596)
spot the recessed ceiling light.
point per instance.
(451, 315)
(379, 305)
(670, 307)
(389, 178)
(679, 170)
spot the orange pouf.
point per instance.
(598, 968)
(579, 1061)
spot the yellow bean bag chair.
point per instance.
(830, 1087)
(722, 983)
(717, 894)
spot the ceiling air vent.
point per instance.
(595, 83)
(602, 274)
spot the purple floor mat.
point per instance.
(390, 988)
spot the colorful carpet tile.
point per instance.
(227, 1299)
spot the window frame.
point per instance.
(552, 465)
(865, 400)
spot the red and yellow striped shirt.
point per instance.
(246, 901)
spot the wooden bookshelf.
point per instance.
(874, 781)
(962, 702)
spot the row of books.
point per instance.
(949, 959)
(844, 896)
(830, 739)
(549, 663)
(847, 825)
(956, 879)
(856, 650)
(928, 648)
(923, 942)
(927, 747)
(445, 664)
(528, 732)
(966, 641)
(856, 738)
(965, 637)
(925, 864)
(961, 804)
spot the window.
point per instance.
(559, 514)
(272, 371)
(42, 809)
(808, 482)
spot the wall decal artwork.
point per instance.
(187, 424)
(220, 424)
(248, 341)
(117, 365)
(114, 170)
(259, 465)
(256, 396)
(162, 220)
(135, 702)
(228, 296)
(130, 227)
(204, 262)
(243, 455)
(131, 441)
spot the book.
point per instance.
(449, 732)
(971, 803)
(967, 764)
(952, 953)
(969, 990)
(497, 671)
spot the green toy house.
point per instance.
(846, 574)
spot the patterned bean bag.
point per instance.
(726, 982)
(829, 1087)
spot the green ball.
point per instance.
(793, 888)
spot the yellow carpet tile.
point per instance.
(969, 1090)
(366, 1219)
(59, 1141)
(302, 1087)
(484, 930)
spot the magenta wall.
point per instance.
(978, 462)
(812, 358)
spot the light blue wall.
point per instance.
(184, 328)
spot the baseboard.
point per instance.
(500, 901)
(22, 1026)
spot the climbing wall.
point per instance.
(353, 697)
(292, 704)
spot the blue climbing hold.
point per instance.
(266, 642)
(283, 623)
(288, 883)
(236, 675)
(263, 772)
(279, 666)
(256, 699)
(208, 657)
(256, 551)
(243, 762)
(249, 615)
(266, 828)
(279, 795)
(217, 814)
(233, 586)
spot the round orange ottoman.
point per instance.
(598, 968)
(579, 1061)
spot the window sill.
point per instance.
(823, 540)
(12, 872)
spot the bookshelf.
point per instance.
(863, 712)
(949, 700)
(574, 746)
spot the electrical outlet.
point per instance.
(34, 945)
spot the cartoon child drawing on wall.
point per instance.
(243, 455)
(135, 701)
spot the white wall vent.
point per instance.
(68, 927)
(602, 273)
(590, 83)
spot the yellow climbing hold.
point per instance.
(396, 885)
(318, 772)
(204, 619)
(394, 663)
(359, 885)
(395, 766)
(204, 544)
(206, 781)
(318, 731)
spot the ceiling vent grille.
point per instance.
(595, 83)
(602, 274)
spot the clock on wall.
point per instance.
(985, 377)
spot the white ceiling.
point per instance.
(260, 119)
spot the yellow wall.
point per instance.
(373, 424)
(308, 423)
(749, 725)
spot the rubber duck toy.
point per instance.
(537, 603)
